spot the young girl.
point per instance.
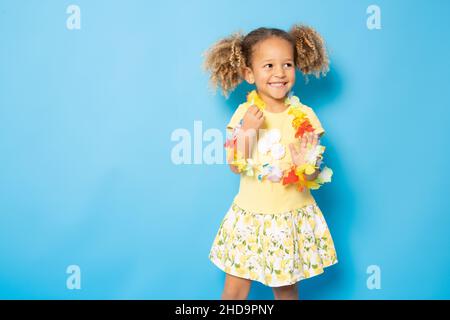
(274, 232)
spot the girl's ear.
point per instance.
(248, 75)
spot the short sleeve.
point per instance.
(237, 116)
(314, 121)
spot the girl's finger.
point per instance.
(260, 114)
(293, 150)
(254, 110)
(304, 141)
(311, 139)
(315, 139)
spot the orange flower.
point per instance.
(291, 177)
(305, 126)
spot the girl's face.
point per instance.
(272, 69)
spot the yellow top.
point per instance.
(266, 196)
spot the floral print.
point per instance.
(274, 249)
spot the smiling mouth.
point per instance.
(277, 84)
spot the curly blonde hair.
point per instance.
(227, 58)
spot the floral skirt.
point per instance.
(274, 249)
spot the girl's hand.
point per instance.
(252, 121)
(253, 118)
(298, 158)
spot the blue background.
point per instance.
(86, 176)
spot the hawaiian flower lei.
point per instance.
(296, 174)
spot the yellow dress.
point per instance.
(273, 233)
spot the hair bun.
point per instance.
(311, 54)
(224, 61)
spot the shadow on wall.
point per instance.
(336, 200)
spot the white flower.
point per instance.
(249, 168)
(314, 153)
(269, 141)
(275, 174)
(277, 151)
(293, 100)
(263, 146)
(325, 175)
(273, 136)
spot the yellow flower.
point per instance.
(253, 275)
(289, 223)
(251, 239)
(243, 260)
(279, 252)
(306, 168)
(312, 185)
(297, 121)
(254, 98)
(279, 223)
(282, 276)
(297, 113)
(287, 243)
(240, 271)
(239, 163)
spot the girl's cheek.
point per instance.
(292, 74)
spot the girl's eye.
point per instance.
(270, 65)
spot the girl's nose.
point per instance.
(279, 72)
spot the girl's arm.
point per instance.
(247, 134)
(313, 175)
(246, 140)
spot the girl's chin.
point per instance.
(278, 93)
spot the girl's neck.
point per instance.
(273, 105)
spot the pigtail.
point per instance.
(224, 61)
(311, 56)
